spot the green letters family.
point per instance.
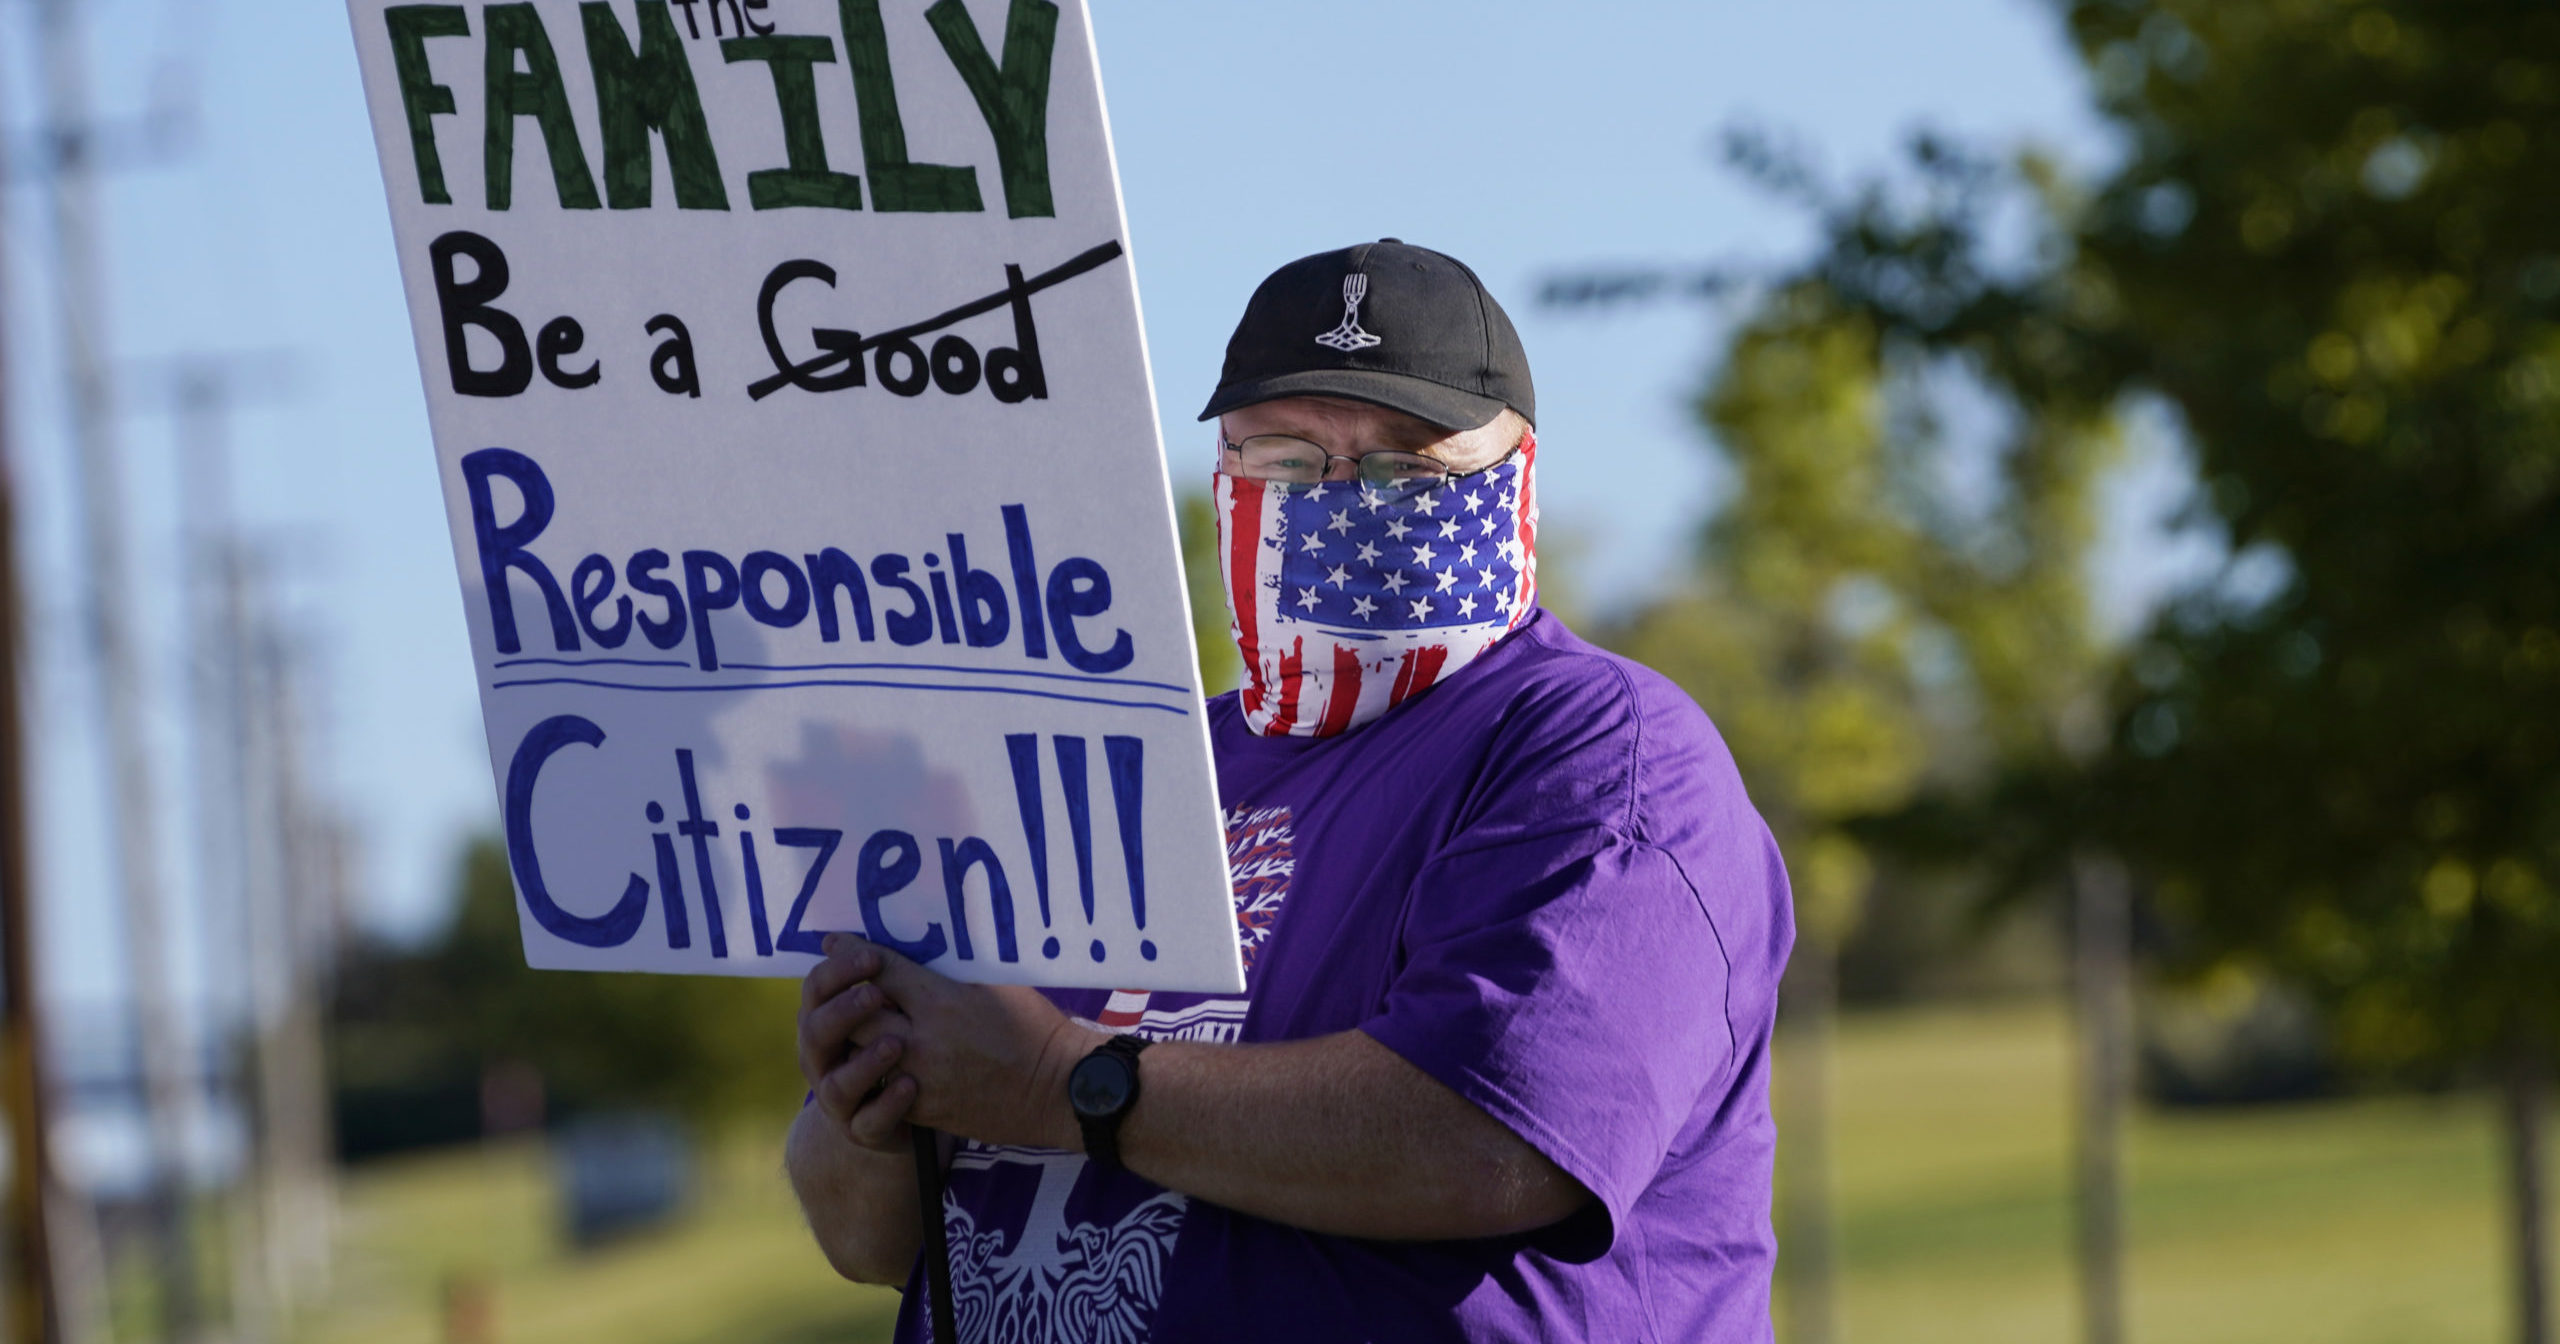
(644, 84)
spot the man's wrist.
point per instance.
(1102, 1091)
(1066, 1047)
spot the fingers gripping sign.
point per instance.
(823, 1036)
(982, 1061)
(850, 1044)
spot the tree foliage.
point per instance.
(708, 1048)
(1196, 517)
(2326, 250)
(2359, 779)
(1865, 634)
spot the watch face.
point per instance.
(1100, 1084)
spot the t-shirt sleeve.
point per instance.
(1571, 985)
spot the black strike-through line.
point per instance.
(1069, 269)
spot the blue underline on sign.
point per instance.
(843, 681)
(964, 671)
(593, 662)
(850, 667)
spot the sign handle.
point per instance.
(937, 1237)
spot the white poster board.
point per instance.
(793, 415)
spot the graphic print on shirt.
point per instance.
(1259, 862)
(1085, 1264)
(1071, 1282)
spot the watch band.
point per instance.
(1102, 1132)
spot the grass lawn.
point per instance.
(2358, 1222)
(740, 1269)
(2370, 1221)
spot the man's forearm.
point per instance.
(1336, 1134)
(861, 1205)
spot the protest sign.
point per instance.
(793, 416)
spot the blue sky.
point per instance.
(1522, 137)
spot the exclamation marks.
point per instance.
(1024, 749)
(1070, 752)
(1126, 757)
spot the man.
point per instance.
(1512, 932)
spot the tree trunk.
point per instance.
(2523, 1083)
(2102, 953)
(1804, 1142)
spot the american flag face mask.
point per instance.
(1347, 599)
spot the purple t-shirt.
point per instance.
(1542, 884)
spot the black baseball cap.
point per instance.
(1386, 322)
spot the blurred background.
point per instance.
(2094, 459)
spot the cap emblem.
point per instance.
(1347, 334)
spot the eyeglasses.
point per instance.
(1282, 457)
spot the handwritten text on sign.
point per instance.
(792, 414)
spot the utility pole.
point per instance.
(309, 845)
(252, 810)
(33, 1315)
(133, 809)
(226, 804)
(33, 1305)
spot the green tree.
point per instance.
(1197, 519)
(1864, 638)
(712, 1049)
(2327, 251)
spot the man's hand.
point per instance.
(987, 1062)
(851, 1080)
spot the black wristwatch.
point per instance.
(1101, 1089)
